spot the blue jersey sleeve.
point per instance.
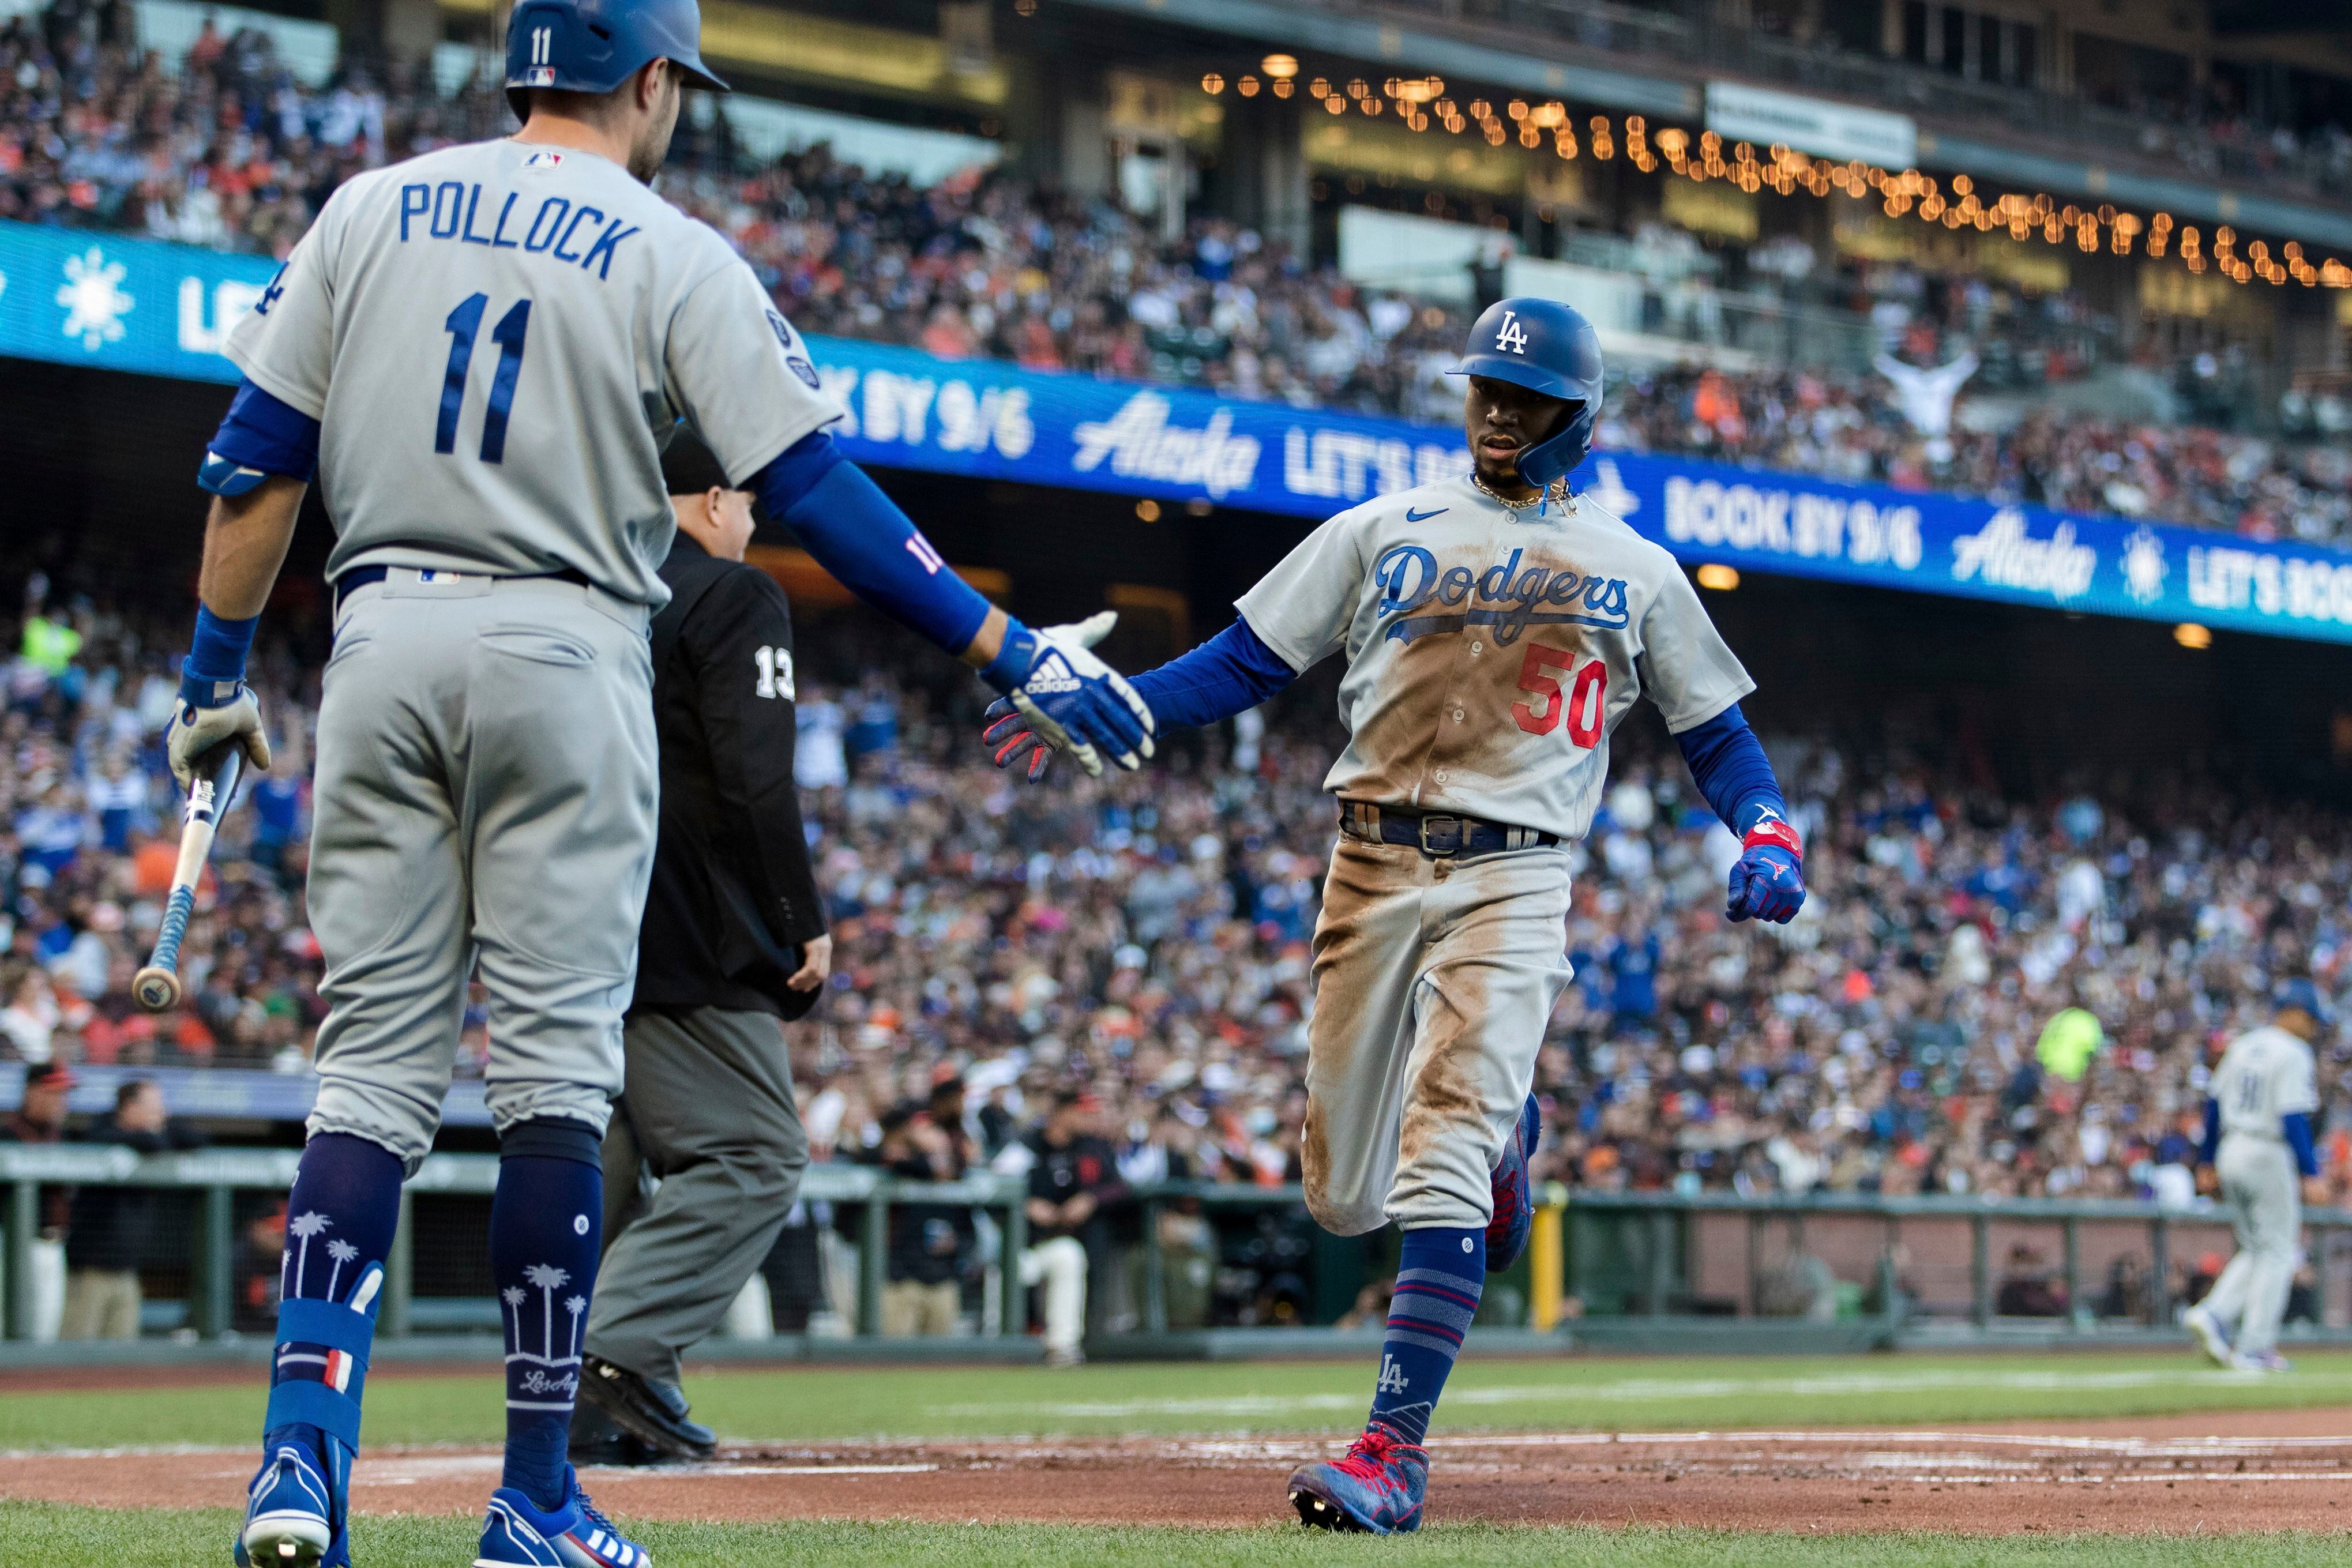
(1229, 673)
(2211, 1144)
(859, 535)
(1729, 764)
(260, 436)
(2297, 1126)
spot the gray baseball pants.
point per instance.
(1433, 982)
(2260, 1190)
(709, 1113)
(485, 792)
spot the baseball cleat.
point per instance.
(2209, 1335)
(1515, 1195)
(1375, 1489)
(2259, 1361)
(289, 1514)
(577, 1535)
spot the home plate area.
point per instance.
(2251, 1471)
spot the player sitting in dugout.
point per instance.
(1497, 627)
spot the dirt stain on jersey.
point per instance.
(1395, 737)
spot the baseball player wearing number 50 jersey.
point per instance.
(2258, 1138)
(1496, 630)
(480, 354)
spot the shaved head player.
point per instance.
(1496, 628)
(480, 354)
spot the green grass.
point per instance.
(58, 1537)
(1669, 1392)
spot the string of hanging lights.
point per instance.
(1423, 104)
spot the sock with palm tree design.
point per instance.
(546, 1222)
(339, 1219)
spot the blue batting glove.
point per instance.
(1768, 884)
(1071, 700)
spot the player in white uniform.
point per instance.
(479, 352)
(1496, 629)
(2258, 1138)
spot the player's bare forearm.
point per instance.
(245, 544)
(988, 642)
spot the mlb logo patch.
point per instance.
(539, 76)
(543, 161)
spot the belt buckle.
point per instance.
(1422, 831)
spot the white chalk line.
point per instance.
(1633, 1390)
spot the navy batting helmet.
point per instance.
(595, 46)
(1544, 346)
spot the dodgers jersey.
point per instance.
(498, 341)
(2266, 1074)
(1491, 651)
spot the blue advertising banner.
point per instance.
(117, 303)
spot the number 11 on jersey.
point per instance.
(463, 323)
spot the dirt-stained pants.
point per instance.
(1433, 982)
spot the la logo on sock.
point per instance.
(1392, 1377)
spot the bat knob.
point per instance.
(155, 989)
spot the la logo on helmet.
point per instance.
(1512, 335)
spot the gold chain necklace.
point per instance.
(1558, 492)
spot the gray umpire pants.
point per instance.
(708, 1115)
(485, 785)
(2260, 1190)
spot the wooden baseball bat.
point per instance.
(157, 986)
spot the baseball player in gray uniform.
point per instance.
(2258, 1138)
(480, 353)
(1496, 629)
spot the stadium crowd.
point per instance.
(231, 150)
(1144, 941)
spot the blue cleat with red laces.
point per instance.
(1376, 1489)
(1515, 1195)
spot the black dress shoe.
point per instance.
(597, 1440)
(653, 1413)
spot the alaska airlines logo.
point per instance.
(1504, 596)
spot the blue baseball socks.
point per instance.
(545, 1228)
(1440, 1274)
(339, 1219)
(338, 1223)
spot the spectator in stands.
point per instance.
(114, 1228)
(930, 1244)
(40, 1118)
(1072, 1174)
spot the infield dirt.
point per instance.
(2288, 1469)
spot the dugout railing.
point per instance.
(1637, 1270)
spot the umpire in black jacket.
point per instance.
(733, 942)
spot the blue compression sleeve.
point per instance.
(1230, 672)
(2211, 1144)
(258, 437)
(1728, 763)
(860, 536)
(2296, 1126)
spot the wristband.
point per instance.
(215, 666)
(1013, 657)
(1773, 830)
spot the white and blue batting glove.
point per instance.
(1071, 701)
(1768, 881)
(210, 713)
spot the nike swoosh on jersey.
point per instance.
(1412, 517)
